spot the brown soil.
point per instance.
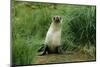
(60, 58)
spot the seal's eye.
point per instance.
(53, 18)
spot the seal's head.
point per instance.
(57, 19)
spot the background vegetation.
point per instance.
(30, 22)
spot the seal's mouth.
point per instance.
(57, 20)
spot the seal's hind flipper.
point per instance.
(41, 48)
(45, 50)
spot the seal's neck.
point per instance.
(55, 26)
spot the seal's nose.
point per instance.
(57, 18)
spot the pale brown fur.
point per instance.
(53, 37)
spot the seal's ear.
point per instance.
(60, 18)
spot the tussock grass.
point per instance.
(30, 22)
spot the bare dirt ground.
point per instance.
(60, 58)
